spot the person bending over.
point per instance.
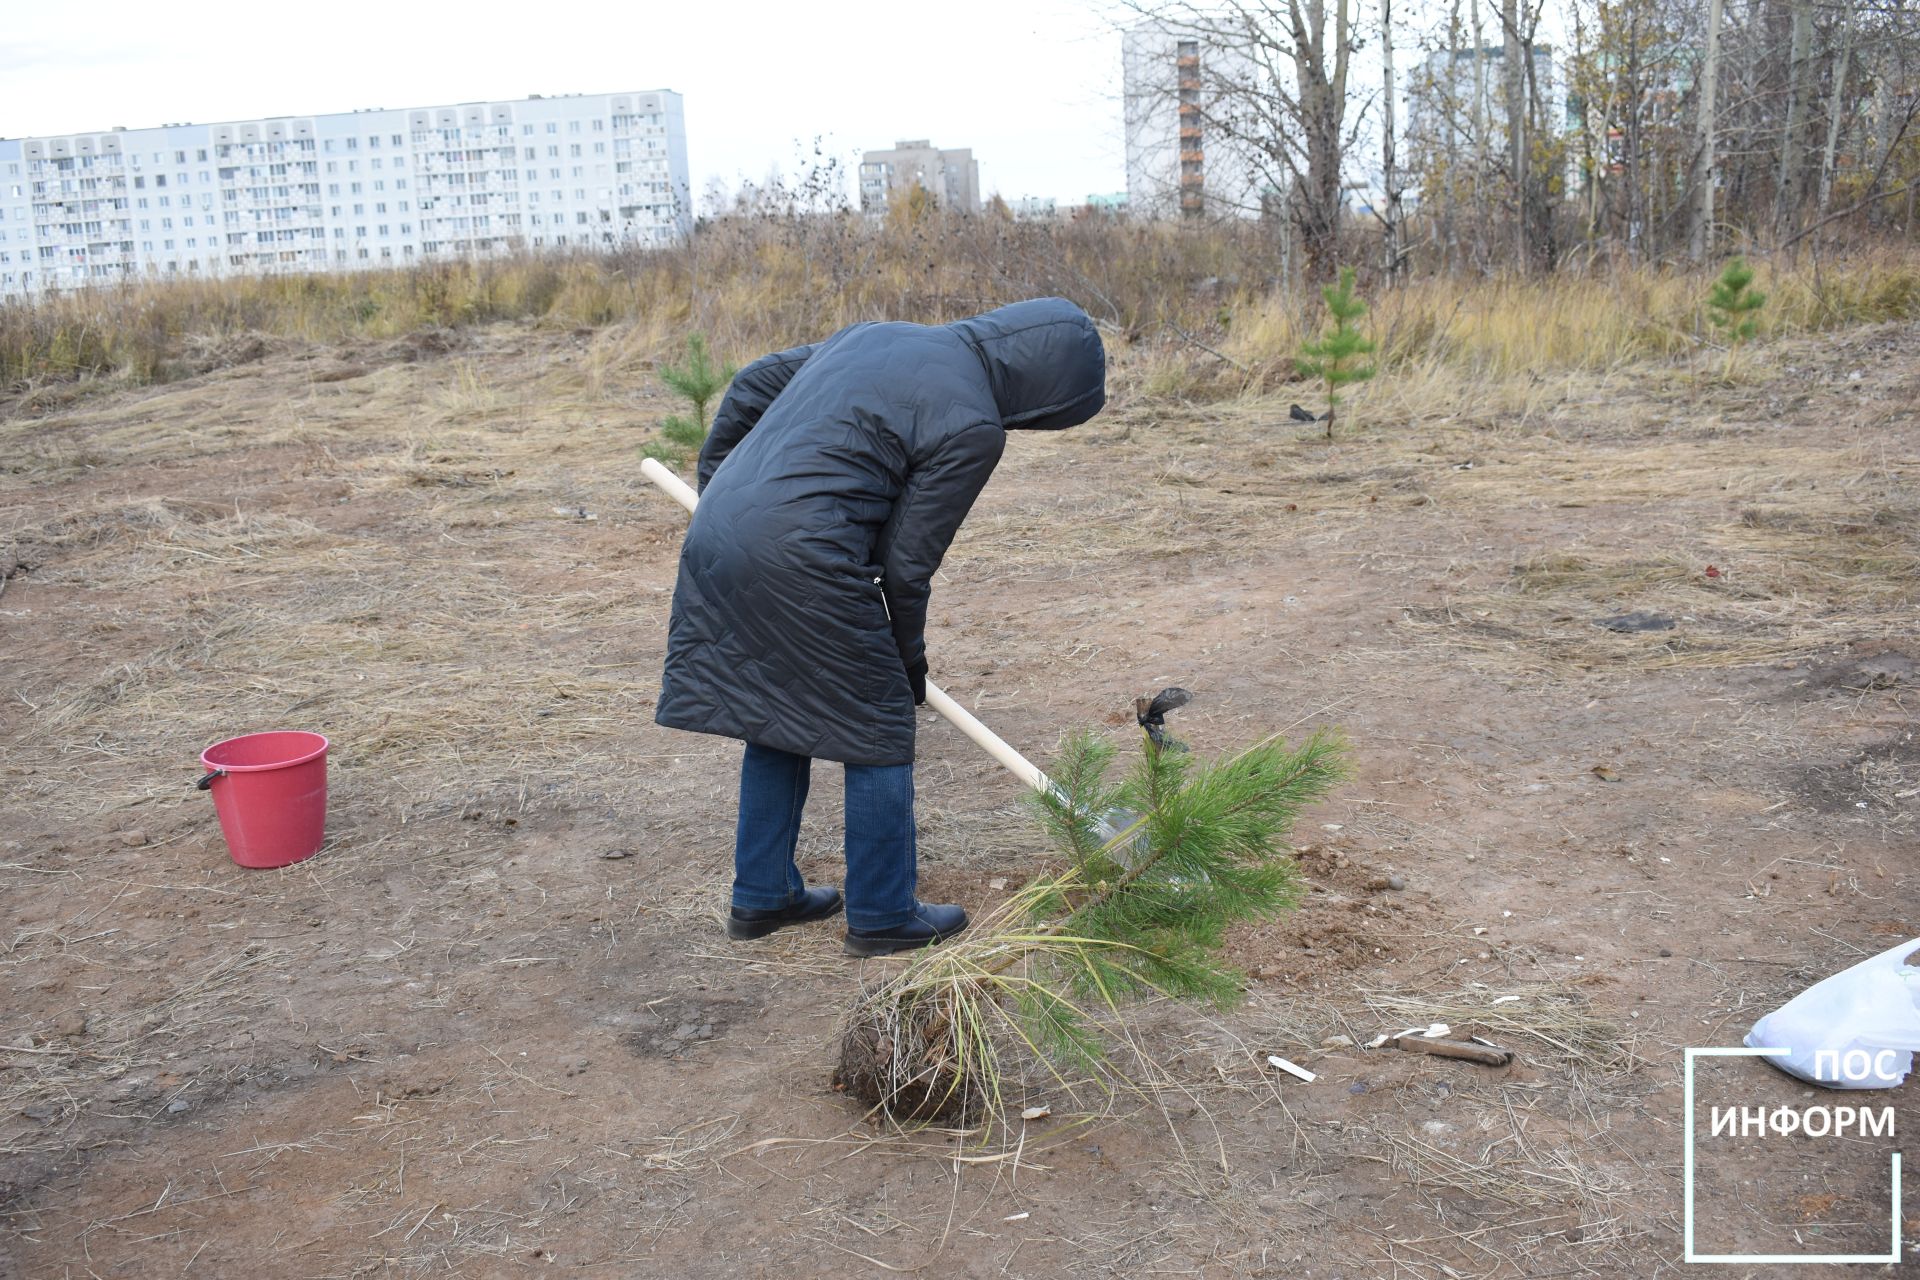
(832, 482)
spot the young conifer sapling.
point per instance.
(1733, 307)
(1032, 996)
(1334, 358)
(698, 381)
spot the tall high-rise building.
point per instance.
(337, 192)
(1187, 100)
(951, 177)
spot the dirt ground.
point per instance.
(494, 1027)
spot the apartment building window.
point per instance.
(359, 209)
(353, 144)
(581, 217)
(354, 187)
(551, 128)
(573, 149)
(553, 153)
(599, 148)
(373, 144)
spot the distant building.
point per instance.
(1111, 202)
(951, 177)
(1027, 208)
(1442, 114)
(1665, 104)
(359, 189)
(1178, 88)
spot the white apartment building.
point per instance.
(340, 192)
(1181, 89)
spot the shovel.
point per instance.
(1119, 829)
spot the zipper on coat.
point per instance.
(883, 598)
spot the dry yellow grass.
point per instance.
(1200, 305)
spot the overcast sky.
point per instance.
(1031, 85)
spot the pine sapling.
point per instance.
(1733, 307)
(699, 380)
(1334, 358)
(1032, 995)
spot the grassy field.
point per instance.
(1214, 304)
(494, 1027)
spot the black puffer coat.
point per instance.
(831, 485)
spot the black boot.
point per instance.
(818, 903)
(931, 923)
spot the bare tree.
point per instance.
(1700, 180)
(1393, 255)
(1273, 94)
(1787, 191)
(1517, 166)
(1835, 102)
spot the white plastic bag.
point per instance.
(1858, 1029)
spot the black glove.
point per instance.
(917, 679)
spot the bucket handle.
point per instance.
(207, 781)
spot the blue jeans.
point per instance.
(881, 854)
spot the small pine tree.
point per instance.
(1332, 359)
(699, 380)
(1143, 912)
(1733, 306)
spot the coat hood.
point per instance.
(1044, 361)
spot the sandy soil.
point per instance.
(494, 1027)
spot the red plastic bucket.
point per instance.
(270, 790)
